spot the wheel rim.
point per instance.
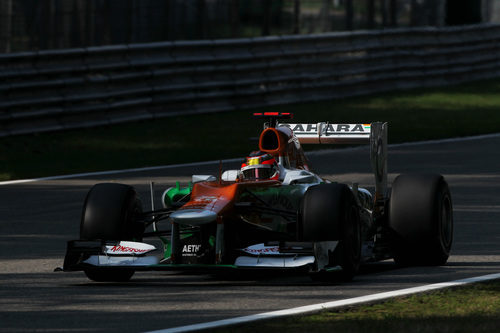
(446, 222)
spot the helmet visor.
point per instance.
(256, 172)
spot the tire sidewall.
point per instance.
(350, 243)
(110, 212)
(334, 216)
(444, 224)
(421, 219)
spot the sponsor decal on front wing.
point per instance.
(130, 248)
(258, 249)
(190, 250)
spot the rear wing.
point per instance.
(326, 133)
(374, 134)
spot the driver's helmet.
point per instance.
(258, 166)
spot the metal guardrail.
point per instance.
(86, 87)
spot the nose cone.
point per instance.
(193, 216)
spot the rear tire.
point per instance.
(110, 212)
(329, 213)
(421, 216)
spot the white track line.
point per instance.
(172, 166)
(327, 306)
(112, 172)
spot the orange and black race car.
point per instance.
(272, 213)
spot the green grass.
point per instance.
(474, 308)
(421, 114)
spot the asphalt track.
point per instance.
(37, 218)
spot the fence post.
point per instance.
(349, 14)
(5, 25)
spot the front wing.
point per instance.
(83, 255)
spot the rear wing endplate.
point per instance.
(374, 134)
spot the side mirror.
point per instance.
(230, 175)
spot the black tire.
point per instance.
(110, 212)
(421, 216)
(329, 213)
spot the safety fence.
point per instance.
(86, 87)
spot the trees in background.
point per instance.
(50, 24)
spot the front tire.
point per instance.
(421, 216)
(329, 213)
(110, 212)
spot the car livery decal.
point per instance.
(259, 249)
(190, 250)
(326, 133)
(312, 129)
(130, 248)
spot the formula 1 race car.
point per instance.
(273, 213)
